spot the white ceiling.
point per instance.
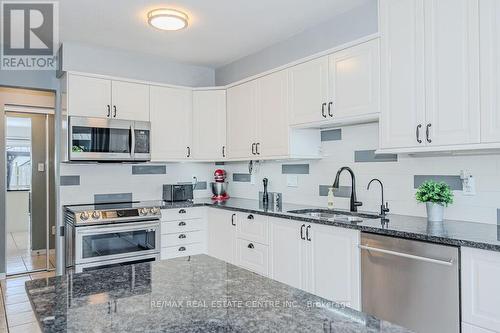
(220, 31)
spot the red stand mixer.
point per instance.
(219, 187)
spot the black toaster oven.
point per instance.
(177, 192)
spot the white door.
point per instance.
(222, 235)
(335, 264)
(402, 74)
(490, 70)
(308, 91)
(480, 288)
(89, 96)
(287, 252)
(130, 100)
(272, 115)
(452, 71)
(171, 111)
(241, 120)
(355, 81)
(209, 124)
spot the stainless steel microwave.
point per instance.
(101, 139)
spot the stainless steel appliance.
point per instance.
(105, 235)
(219, 186)
(411, 283)
(178, 192)
(101, 139)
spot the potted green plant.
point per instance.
(436, 196)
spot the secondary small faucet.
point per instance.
(354, 203)
(383, 208)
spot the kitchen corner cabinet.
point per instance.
(480, 290)
(209, 125)
(341, 87)
(104, 98)
(430, 73)
(171, 123)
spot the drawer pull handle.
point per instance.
(250, 217)
(182, 248)
(182, 236)
(182, 211)
(181, 224)
(250, 246)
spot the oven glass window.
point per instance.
(107, 244)
(100, 140)
(141, 141)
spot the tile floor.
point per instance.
(19, 257)
(16, 313)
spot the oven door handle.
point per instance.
(123, 227)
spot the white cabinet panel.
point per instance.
(452, 71)
(209, 124)
(490, 70)
(89, 96)
(222, 235)
(171, 112)
(467, 328)
(480, 288)
(130, 101)
(308, 88)
(402, 73)
(253, 227)
(253, 256)
(355, 81)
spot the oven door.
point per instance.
(116, 241)
(96, 139)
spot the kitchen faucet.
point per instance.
(354, 203)
(383, 208)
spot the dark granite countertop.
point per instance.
(456, 233)
(190, 294)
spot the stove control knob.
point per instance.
(84, 216)
(96, 215)
(143, 211)
(155, 210)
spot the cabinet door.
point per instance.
(171, 111)
(402, 73)
(222, 235)
(272, 113)
(209, 124)
(452, 71)
(287, 252)
(490, 70)
(88, 96)
(480, 288)
(355, 81)
(130, 101)
(335, 264)
(308, 87)
(241, 120)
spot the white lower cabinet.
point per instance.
(222, 235)
(252, 256)
(480, 290)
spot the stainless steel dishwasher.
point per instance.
(411, 283)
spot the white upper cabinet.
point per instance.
(308, 84)
(171, 116)
(209, 124)
(354, 81)
(490, 70)
(130, 100)
(88, 96)
(452, 71)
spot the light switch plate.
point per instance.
(292, 180)
(41, 167)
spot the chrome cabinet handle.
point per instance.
(182, 211)
(307, 233)
(257, 148)
(114, 111)
(329, 109)
(232, 220)
(302, 232)
(323, 110)
(182, 236)
(427, 133)
(409, 256)
(418, 133)
(181, 224)
(250, 217)
(109, 110)
(182, 248)
(251, 246)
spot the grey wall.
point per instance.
(29, 79)
(343, 28)
(100, 60)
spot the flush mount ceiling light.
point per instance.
(167, 19)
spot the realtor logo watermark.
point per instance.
(30, 35)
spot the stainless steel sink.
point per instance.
(333, 214)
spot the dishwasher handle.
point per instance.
(409, 256)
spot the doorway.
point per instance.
(30, 193)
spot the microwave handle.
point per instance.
(132, 141)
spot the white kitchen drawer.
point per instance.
(252, 256)
(182, 213)
(253, 227)
(468, 328)
(182, 250)
(182, 238)
(174, 227)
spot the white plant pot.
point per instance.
(435, 212)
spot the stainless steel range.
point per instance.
(105, 235)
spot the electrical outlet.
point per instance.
(292, 180)
(469, 186)
(252, 179)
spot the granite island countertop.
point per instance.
(450, 232)
(190, 294)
